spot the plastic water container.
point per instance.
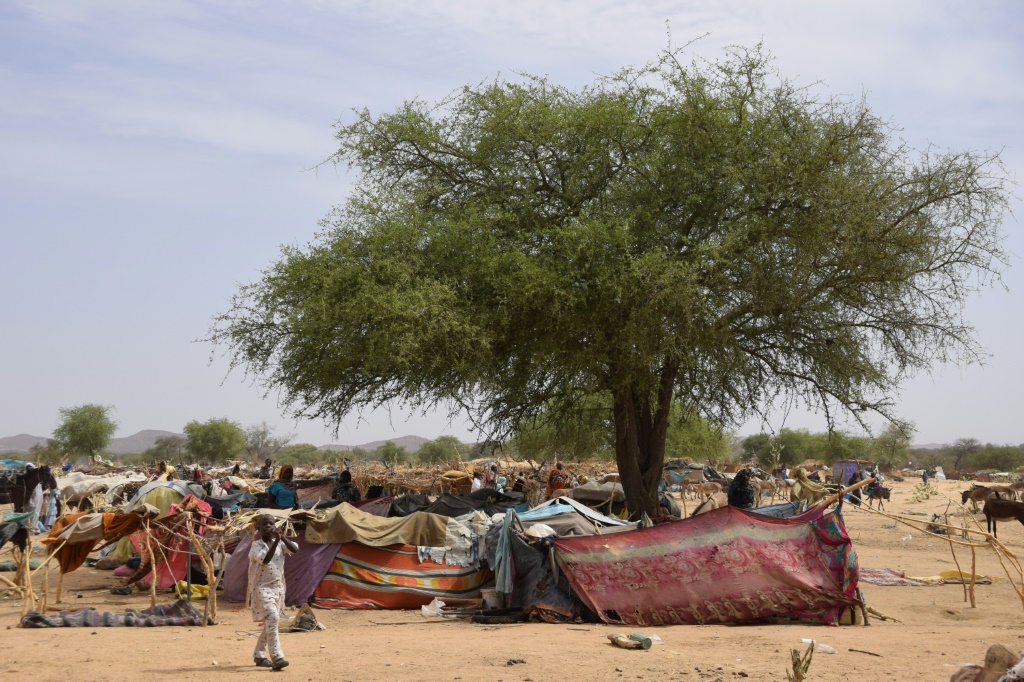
(490, 597)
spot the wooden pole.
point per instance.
(60, 585)
(29, 600)
(973, 572)
(46, 586)
(212, 599)
(152, 568)
(953, 552)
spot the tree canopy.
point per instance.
(213, 440)
(262, 441)
(442, 449)
(84, 430)
(166, 449)
(703, 233)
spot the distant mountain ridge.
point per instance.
(410, 443)
(145, 439)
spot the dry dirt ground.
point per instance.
(938, 631)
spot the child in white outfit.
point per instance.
(267, 589)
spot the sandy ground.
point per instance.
(938, 631)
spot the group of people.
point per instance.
(283, 495)
(491, 479)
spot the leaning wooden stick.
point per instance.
(842, 493)
(953, 552)
(46, 586)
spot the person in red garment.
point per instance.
(556, 479)
(266, 581)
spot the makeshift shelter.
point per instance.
(726, 566)
(160, 494)
(393, 577)
(77, 485)
(351, 558)
(380, 563)
(303, 570)
(844, 469)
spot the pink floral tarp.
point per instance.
(726, 566)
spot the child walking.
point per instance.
(266, 585)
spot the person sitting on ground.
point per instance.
(197, 475)
(267, 470)
(556, 479)
(266, 582)
(160, 474)
(347, 491)
(741, 490)
(282, 492)
(478, 483)
(237, 470)
(520, 484)
(215, 488)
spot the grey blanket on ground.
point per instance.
(180, 612)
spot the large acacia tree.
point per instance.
(708, 234)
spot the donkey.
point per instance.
(1002, 510)
(714, 501)
(877, 492)
(983, 492)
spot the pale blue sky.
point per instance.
(154, 155)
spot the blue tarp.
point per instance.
(780, 511)
(12, 464)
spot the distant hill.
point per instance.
(138, 442)
(20, 443)
(410, 443)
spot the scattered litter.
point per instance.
(822, 648)
(627, 642)
(515, 661)
(869, 653)
(433, 609)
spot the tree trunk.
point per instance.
(640, 430)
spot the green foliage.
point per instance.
(587, 434)
(486, 448)
(389, 453)
(706, 233)
(892, 445)
(969, 454)
(146, 458)
(758, 446)
(47, 455)
(793, 446)
(923, 491)
(84, 430)
(697, 440)
(304, 454)
(212, 441)
(262, 441)
(441, 449)
(359, 455)
(166, 449)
